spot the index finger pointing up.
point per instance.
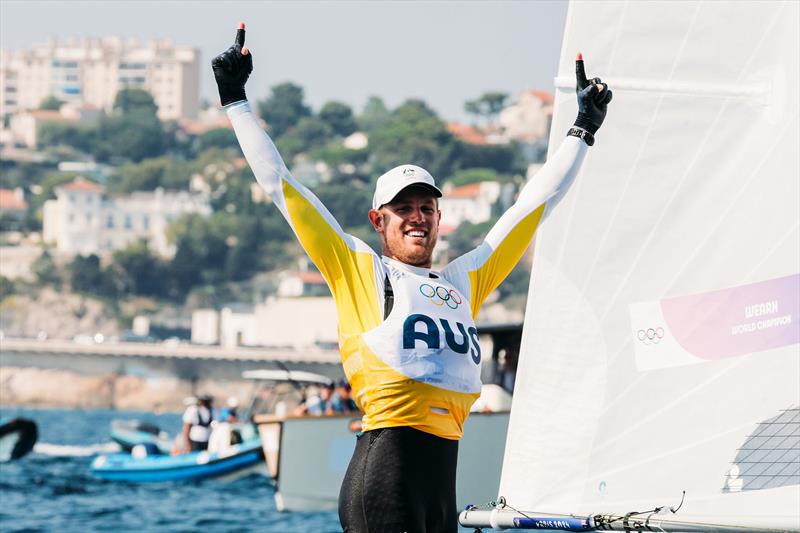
(240, 34)
(580, 72)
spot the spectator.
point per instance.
(197, 424)
(342, 401)
(229, 414)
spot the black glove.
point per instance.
(592, 102)
(231, 70)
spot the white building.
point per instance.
(83, 219)
(25, 125)
(528, 119)
(92, 71)
(205, 326)
(303, 283)
(298, 323)
(471, 203)
(238, 326)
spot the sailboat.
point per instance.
(658, 386)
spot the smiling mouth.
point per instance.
(416, 234)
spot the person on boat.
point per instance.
(341, 402)
(407, 333)
(317, 401)
(229, 413)
(197, 424)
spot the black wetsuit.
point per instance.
(400, 479)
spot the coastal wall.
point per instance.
(49, 387)
(93, 377)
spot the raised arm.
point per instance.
(484, 268)
(338, 255)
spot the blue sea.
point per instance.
(51, 489)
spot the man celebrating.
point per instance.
(407, 333)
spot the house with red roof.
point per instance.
(528, 118)
(468, 203)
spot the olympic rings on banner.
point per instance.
(650, 335)
(440, 296)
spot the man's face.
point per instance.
(409, 226)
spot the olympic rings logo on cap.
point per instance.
(440, 296)
(650, 335)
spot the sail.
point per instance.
(660, 352)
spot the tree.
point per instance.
(488, 105)
(51, 103)
(133, 131)
(150, 174)
(475, 175)
(45, 270)
(202, 245)
(283, 108)
(7, 288)
(131, 100)
(86, 275)
(414, 134)
(374, 115)
(142, 272)
(309, 133)
(339, 117)
(81, 137)
(216, 138)
(503, 158)
(132, 137)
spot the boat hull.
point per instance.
(308, 457)
(187, 467)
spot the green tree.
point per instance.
(166, 172)
(503, 158)
(132, 100)
(133, 131)
(87, 275)
(7, 288)
(309, 133)
(339, 117)
(467, 238)
(348, 205)
(45, 270)
(414, 134)
(132, 137)
(475, 175)
(488, 105)
(51, 103)
(143, 273)
(201, 250)
(81, 137)
(374, 115)
(216, 138)
(283, 108)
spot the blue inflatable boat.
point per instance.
(129, 433)
(146, 468)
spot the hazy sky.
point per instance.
(443, 52)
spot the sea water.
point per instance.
(52, 488)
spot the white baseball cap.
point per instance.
(390, 184)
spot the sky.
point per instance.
(442, 52)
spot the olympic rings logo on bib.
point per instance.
(440, 296)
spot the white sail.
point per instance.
(660, 351)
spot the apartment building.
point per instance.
(90, 72)
(83, 219)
